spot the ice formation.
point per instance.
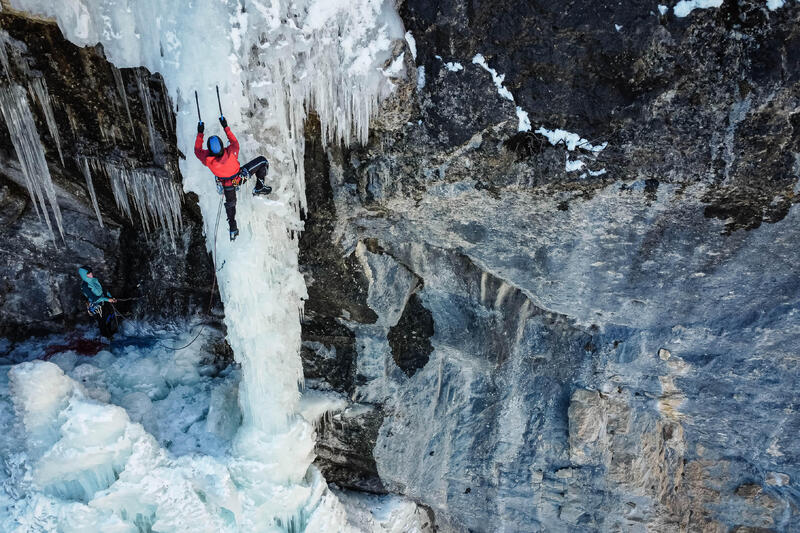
(30, 152)
(273, 63)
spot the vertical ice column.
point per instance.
(30, 152)
(40, 90)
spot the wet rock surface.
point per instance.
(103, 118)
(611, 347)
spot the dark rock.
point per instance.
(609, 351)
(410, 338)
(100, 117)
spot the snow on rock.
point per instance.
(570, 140)
(524, 121)
(497, 78)
(412, 44)
(522, 115)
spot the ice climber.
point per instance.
(224, 164)
(96, 302)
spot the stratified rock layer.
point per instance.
(595, 340)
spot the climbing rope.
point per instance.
(211, 296)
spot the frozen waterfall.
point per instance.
(273, 61)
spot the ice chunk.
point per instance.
(772, 5)
(40, 391)
(32, 159)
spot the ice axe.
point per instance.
(219, 102)
(197, 101)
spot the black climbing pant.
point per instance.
(107, 321)
(257, 166)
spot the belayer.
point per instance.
(98, 304)
(224, 163)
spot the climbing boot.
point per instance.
(266, 189)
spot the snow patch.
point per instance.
(412, 44)
(497, 78)
(572, 166)
(684, 7)
(570, 140)
(524, 121)
(453, 67)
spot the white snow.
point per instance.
(617, 27)
(684, 7)
(420, 78)
(572, 166)
(453, 66)
(412, 44)
(524, 121)
(497, 78)
(273, 64)
(663, 9)
(570, 140)
(775, 4)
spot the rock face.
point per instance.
(576, 336)
(143, 238)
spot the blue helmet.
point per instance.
(215, 145)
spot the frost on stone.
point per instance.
(31, 155)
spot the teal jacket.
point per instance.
(92, 289)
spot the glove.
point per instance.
(200, 127)
(223, 122)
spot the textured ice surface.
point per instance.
(273, 63)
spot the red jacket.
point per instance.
(224, 166)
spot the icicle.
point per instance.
(40, 89)
(4, 55)
(30, 152)
(144, 95)
(87, 173)
(156, 198)
(123, 94)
